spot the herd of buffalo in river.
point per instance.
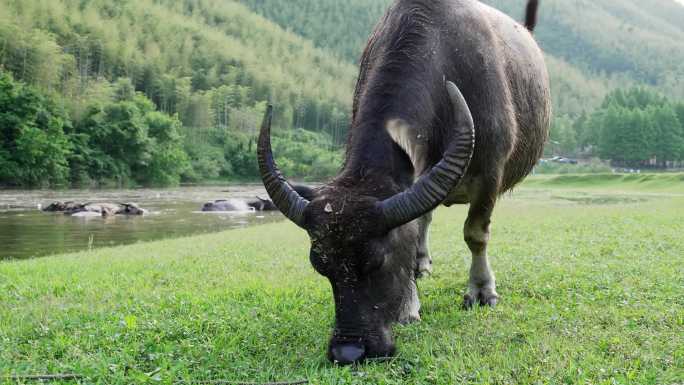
(80, 209)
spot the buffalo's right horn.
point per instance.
(432, 188)
(286, 199)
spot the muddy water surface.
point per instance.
(27, 232)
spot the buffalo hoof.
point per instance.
(481, 297)
(410, 319)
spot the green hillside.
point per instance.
(592, 47)
(210, 66)
(171, 49)
(640, 41)
(340, 27)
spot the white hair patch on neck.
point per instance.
(412, 141)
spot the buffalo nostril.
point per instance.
(346, 354)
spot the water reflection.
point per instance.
(27, 232)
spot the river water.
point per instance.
(26, 231)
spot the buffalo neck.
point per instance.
(374, 161)
(405, 81)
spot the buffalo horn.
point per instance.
(288, 201)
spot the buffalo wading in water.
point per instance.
(239, 205)
(434, 75)
(226, 205)
(95, 209)
(62, 206)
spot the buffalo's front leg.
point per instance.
(482, 283)
(410, 308)
(423, 258)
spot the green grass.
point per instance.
(665, 182)
(592, 293)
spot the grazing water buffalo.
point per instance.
(95, 209)
(451, 106)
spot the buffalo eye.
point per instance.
(374, 263)
(375, 254)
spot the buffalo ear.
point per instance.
(305, 192)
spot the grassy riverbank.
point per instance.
(592, 293)
(664, 182)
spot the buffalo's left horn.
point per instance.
(432, 188)
(286, 199)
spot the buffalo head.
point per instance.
(363, 238)
(261, 204)
(131, 209)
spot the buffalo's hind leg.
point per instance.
(482, 283)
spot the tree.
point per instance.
(33, 146)
(169, 161)
(563, 133)
(668, 139)
(636, 126)
(679, 108)
(129, 141)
